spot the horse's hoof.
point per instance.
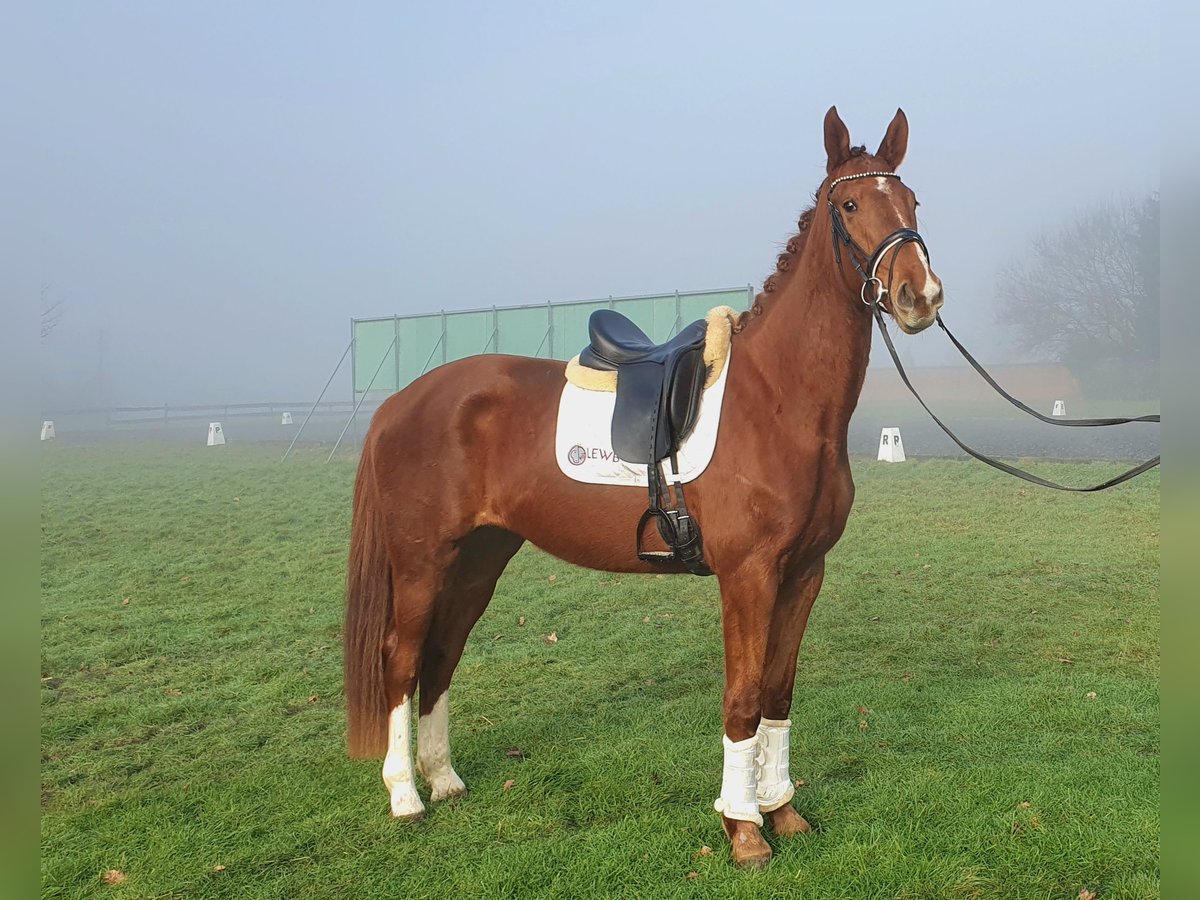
(785, 821)
(750, 851)
(406, 804)
(447, 792)
(444, 783)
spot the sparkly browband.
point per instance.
(838, 181)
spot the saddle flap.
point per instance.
(656, 406)
(636, 414)
(683, 402)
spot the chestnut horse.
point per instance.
(458, 471)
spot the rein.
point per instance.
(867, 267)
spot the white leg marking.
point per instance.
(398, 764)
(739, 782)
(775, 786)
(433, 752)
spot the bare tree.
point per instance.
(51, 311)
(1089, 292)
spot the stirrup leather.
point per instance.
(675, 524)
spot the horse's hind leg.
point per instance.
(468, 589)
(414, 593)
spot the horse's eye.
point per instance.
(849, 206)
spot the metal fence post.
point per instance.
(550, 326)
(443, 337)
(353, 390)
(353, 359)
(396, 322)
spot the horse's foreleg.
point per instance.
(747, 599)
(775, 787)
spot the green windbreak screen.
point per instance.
(392, 353)
(374, 352)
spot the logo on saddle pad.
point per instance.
(579, 454)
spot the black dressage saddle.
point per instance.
(659, 387)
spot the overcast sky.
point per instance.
(220, 187)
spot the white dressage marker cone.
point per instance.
(890, 448)
(1060, 408)
(286, 420)
(47, 430)
(216, 437)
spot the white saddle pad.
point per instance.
(583, 438)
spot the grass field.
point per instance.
(976, 712)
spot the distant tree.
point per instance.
(51, 312)
(1088, 294)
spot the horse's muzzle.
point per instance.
(915, 312)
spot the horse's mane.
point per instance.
(785, 261)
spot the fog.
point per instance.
(211, 194)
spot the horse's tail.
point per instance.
(368, 612)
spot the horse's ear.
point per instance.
(895, 142)
(837, 140)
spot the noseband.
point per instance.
(868, 266)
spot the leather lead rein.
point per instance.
(1005, 467)
(868, 266)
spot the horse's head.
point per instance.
(873, 217)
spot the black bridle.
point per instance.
(868, 269)
(868, 266)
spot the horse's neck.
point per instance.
(811, 346)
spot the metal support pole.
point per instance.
(425, 368)
(318, 403)
(550, 326)
(678, 315)
(538, 351)
(443, 338)
(496, 328)
(370, 384)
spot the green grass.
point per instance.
(201, 725)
